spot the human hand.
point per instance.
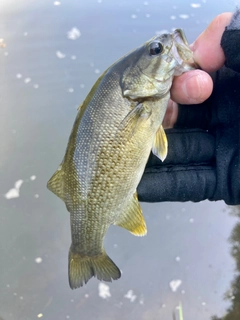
(203, 160)
(196, 86)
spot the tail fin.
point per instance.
(82, 268)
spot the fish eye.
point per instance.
(155, 48)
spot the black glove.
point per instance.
(203, 160)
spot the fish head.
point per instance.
(155, 64)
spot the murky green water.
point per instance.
(54, 53)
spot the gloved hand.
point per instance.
(203, 160)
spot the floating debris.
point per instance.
(38, 260)
(195, 5)
(14, 192)
(104, 291)
(175, 284)
(184, 16)
(27, 80)
(74, 34)
(60, 55)
(129, 295)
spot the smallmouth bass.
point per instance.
(116, 127)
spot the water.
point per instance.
(55, 50)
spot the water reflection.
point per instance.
(233, 293)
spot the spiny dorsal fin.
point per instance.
(55, 184)
(132, 218)
(160, 144)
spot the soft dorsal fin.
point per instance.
(55, 184)
(160, 144)
(132, 218)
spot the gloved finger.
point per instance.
(194, 116)
(191, 183)
(186, 147)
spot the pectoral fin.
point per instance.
(160, 145)
(132, 121)
(132, 218)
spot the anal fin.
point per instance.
(160, 145)
(132, 218)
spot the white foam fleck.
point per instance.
(129, 295)
(6, 54)
(184, 16)
(175, 284)
(38, 260)
(177, 259)
(57, 3)
(60, 54)
(86, 296)
(148, 15)
(183, 292)
(163, 305)
(203, 303)
(82, 85)
(173, 17)
(35, 86)
(27, 80)
(97, 71)
(18, 76)
(14, 192)
(67, 317)
(73, 57)
(15, 294)
(191, 220)
(134, 16)
(36, 196)
(21, 297)
(161, 31)
(74, 34)
(145, 3)
(25, 34)
(195, 5)
(8, 285)
(40, 315)
(99, 1)
(70, 90)
(33, 178)
(104, 291)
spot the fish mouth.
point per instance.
(182, 53)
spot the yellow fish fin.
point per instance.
(132, 218)
(160, 144)
(55, 184)
(81, 268)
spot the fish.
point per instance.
(116, 128)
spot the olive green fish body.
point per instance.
(117, 126)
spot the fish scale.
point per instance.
(116, 127)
